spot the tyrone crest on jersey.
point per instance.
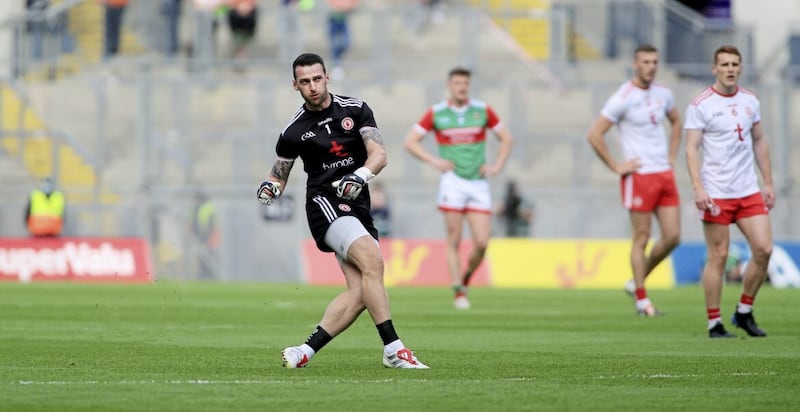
(347, 124)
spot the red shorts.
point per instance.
(731, 210)
(646, 192)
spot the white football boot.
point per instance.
(630, 288)
(294, 357)
(403, 359)
(461, 302)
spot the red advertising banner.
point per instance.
(406, 262)
(75, 260)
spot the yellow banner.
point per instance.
(587, 264)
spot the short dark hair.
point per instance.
(307, 59)
(645, 48)
(729, 50)
(459, 71)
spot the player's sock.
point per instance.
(316, 341)
(642, 301)
(460, 290)
(467, 277)
(387, 332)
(745, 304)
(307, 350)
(393, 347)
(714, 317)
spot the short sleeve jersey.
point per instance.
(328, 141)
(726, 122)
(461, 134)
(639, 115)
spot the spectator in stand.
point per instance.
(206, 229)
(516, 212)
(339, 32)
(206, 15)
(290, 36)
(36, 27)
(381, 211)
(114, 11)
(171, 9)
(243, 20)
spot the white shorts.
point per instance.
(457, 194)
(342, 233)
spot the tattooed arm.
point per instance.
(280, 170)
(376, 154)
(272, 188)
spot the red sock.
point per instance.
(641, 294)
(713, 313)
(747, 300)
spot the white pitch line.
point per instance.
(690, 375)
(362, 381)
(243, 382)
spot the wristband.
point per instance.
(364, 173)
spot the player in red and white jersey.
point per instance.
(639, 108)
(725, 120)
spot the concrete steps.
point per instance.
(39, 150)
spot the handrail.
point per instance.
(697, 21)
(66, 137)
(62, 136)
(50, 12)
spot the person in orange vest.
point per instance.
(44, 214)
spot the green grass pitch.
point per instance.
(176, 346)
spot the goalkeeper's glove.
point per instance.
(349, 186)
(269, 191)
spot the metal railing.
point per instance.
(40, 37)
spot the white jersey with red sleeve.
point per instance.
(639, 114)
(726, 122)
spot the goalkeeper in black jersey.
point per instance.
(342, 149)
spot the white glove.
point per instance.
(350, 186)
(269, 191)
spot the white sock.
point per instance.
(743, 308)
(713, 322)
(641, 304)
(307, 350)
(393, 347)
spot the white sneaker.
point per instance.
(294, 357)
(462, 302)
(403, 359)
(630, 288)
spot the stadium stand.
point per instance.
(156, 130)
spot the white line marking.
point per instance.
(245, 381)
(690, 375)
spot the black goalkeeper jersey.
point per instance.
(328, 142)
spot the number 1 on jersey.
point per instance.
(328, 128)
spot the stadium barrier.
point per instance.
(510, 263)
(688, 260)
(551, 264)
(118, 260)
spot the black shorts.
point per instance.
(323, 209)
(243, 24)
